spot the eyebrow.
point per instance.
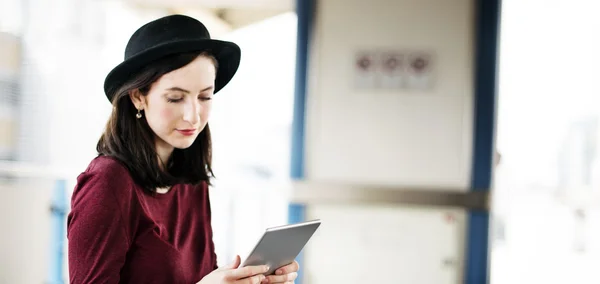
(178, 89)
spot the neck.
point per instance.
(164, 152)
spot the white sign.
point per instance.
(419, 71)
(365, 70)
(392, 70)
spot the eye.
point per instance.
(171, 100)
(204, 98)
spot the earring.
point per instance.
(139, 114)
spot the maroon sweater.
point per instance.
(119, 234)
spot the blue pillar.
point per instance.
(305, 13)
(58, 211)
(297, 213)
(486, 49)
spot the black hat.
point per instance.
(170, 35)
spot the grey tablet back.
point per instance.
(279, 246)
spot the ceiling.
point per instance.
(222, 4)
(222, 15)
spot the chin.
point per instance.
(182, 143)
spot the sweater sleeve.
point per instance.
(99, 225)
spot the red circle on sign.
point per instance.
(419, 64)
(392, 63)
(364, 63)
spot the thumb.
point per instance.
(235, 263)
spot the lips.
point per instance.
(187, 132)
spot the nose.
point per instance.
(191, 112)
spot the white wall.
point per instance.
(385, 244)
(415, 139)
(25, 243)
(400, 138)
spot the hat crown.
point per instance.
(164, 30)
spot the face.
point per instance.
(178, 105)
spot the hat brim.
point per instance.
(226, 53)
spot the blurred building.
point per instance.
(10, 54)
(578, 159)
(577, 178)
(578, 153)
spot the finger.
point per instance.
(246, 272)
(256, 279)
(282, 278)
(234, 264)
(292, 267)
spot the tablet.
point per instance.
(279, 246)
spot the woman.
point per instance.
(140, 211)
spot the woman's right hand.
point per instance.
(232, 274)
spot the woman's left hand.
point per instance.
(286, 274)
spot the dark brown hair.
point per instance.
(132, 141)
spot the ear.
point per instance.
(138, 100)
